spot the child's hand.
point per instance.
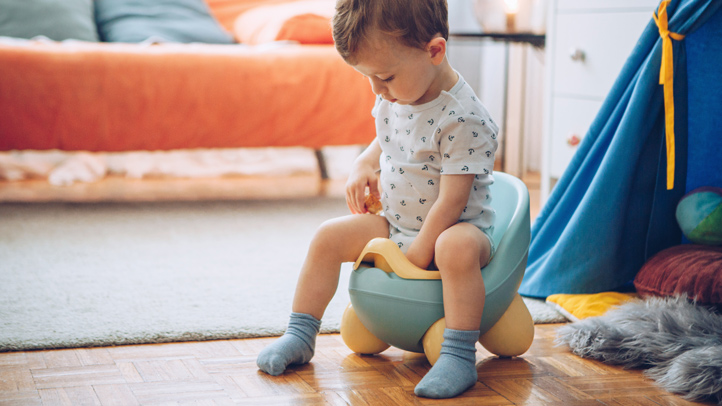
(362, 176)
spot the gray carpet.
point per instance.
(78, 275)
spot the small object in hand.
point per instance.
(373, 204)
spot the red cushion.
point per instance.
(307, 29)
(305, 21)
(694, 270)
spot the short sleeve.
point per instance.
(467, 144)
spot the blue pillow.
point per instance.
(56, 19)
(158, 21)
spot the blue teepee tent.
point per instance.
(614, 206)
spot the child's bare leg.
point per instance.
(336, 241)
(460, 253)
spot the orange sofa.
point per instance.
(116, 97)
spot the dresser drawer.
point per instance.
(591, 48)
(570, 118)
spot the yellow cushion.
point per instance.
(581, 306)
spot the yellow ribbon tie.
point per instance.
(666, 78)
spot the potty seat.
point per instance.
(395, 303)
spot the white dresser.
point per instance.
(587, 44)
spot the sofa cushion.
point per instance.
(158, 21)
(227, 11)
(689, 269)
(305, 21)
(307, 29)
(56, 19)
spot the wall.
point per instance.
(482, 63)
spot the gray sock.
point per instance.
(295, 346)
(455, 370)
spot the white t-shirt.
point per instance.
(453, 134)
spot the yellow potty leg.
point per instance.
(432, 340)
(513, 334)
(357, 337)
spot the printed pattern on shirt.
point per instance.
(452, 134)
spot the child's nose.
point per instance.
(377, 86)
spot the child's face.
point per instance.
(398, 73)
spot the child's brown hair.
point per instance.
(413, 22)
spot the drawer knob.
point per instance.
(573, 140)
(577, 54)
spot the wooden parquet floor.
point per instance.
(225, 373)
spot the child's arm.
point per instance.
(454, 193)
(363, 174)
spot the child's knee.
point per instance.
(329, 234)
(458, 247)
(346, 236)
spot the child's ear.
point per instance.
(437, 50)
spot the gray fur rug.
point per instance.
(678, 342)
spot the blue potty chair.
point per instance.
(395, 303)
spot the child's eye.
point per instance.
(388, 79)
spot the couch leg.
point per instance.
(321, 164)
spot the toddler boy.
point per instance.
(434, 150)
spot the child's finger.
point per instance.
(374, 187)
(354, 199)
